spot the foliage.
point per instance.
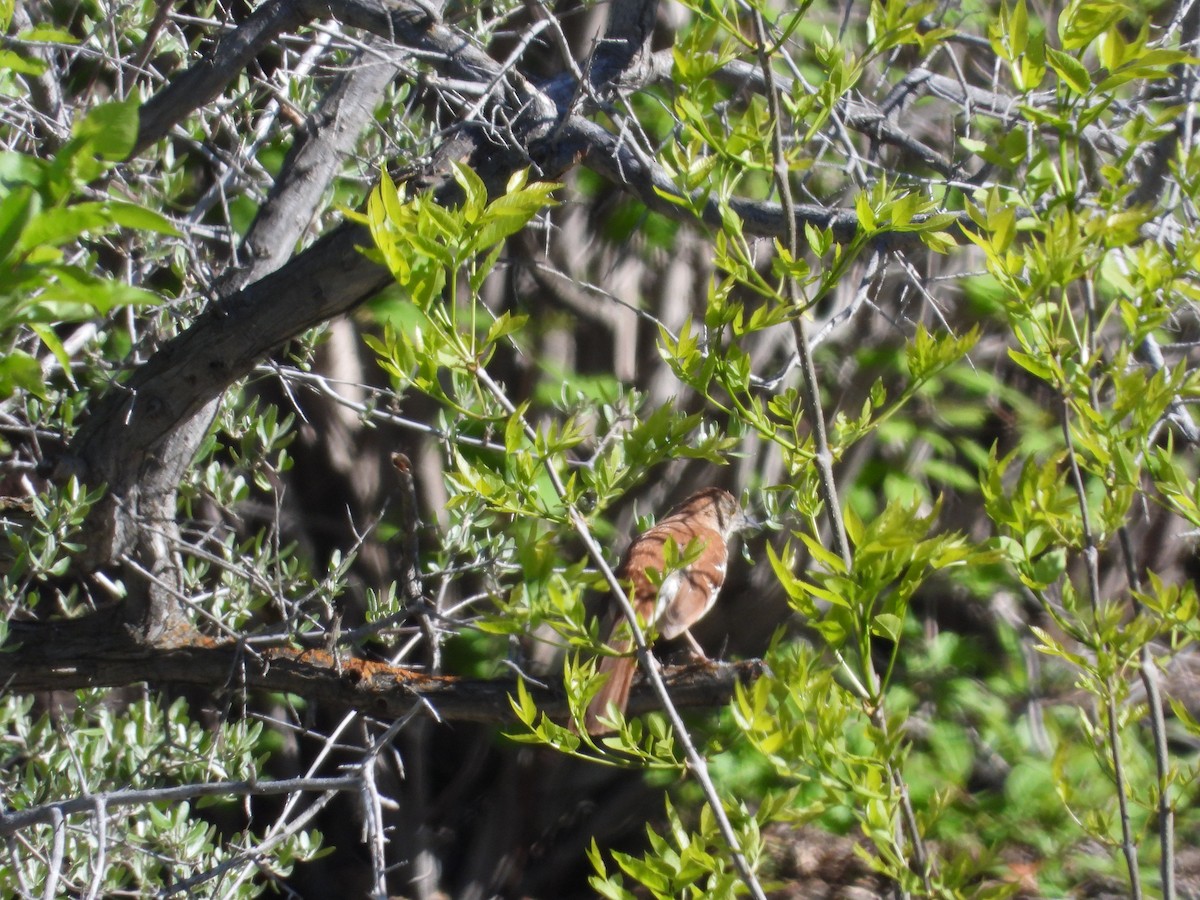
(40, 212)
(975, 590)
(96, 750)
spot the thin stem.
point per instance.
(1091, 557)
(50, 813)
(646, 659)
(1148, 669)
(823, 458)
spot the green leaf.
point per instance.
(507, 215)
(523, 704)
(20, 168)
(20, 371)
(1070, 70)
(22, 65)
(865, 213)
(111, 128)
(854, 527)
(55, 346)
(16, 209)
(939, 241)
(782, 566)
(139, 218)
(1081, 22)
(473, 188)
(1032, 364)
(47, 34)
(505, 325)
(1048, 568)
(79, 296)
(1018, 28)
(514, 431)
(887, 625)
(63, 224)
(830, 559)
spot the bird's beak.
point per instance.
(750, 523)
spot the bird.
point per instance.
(671, 601)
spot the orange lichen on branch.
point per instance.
(357, 670)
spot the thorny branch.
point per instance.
(99, 804)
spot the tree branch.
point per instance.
(116, 446)
(404, 23)
(140, 438)
(205, 81)
(328, 138)
(48, 813)
(610, 156)
(61, 656)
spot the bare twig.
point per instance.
(410, 573)
(58, 822)
(244, 861)
(52, 813)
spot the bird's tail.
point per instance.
(615, 690)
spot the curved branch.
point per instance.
(126, 443)
(117, 444)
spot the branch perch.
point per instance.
(50, 658)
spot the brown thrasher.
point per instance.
(707, 521)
